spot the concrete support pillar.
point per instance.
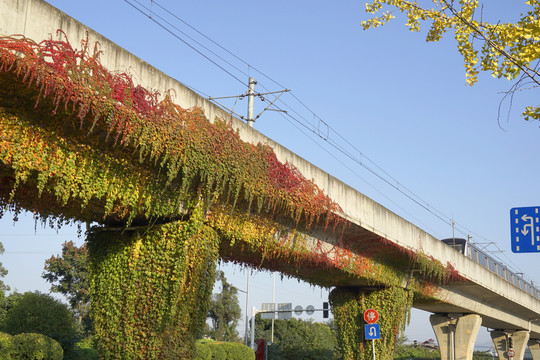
(466, 331)
(442, 326)
(150, 290)
(349, 305)
(520, 339)
(534, 347)
(456, 336)
(504, 340)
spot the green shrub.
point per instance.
(40, 313)
(6, 346)
(218, 353)
(36, 347)
(237, 351)
(202, 351)
(215, 350)
(81, 354)
(405, 352)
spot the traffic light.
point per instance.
(510, 343)
(325, 310)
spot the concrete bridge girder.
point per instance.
(472, 300)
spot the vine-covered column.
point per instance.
(350, 303)
(150, 289)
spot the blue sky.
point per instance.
(401, 101)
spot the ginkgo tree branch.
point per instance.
(507, 49)
(526, 69)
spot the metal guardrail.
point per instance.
(477, 255)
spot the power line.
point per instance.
(358, 175)
(221, 47)
(342, 150)
(448, 220)
(200, 33)
(179, 38)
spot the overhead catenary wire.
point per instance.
(359, 162)
(359, 176)
(340, 144)
(178, 37)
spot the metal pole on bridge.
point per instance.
(251, 95)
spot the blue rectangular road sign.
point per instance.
(372, 331)
(525, 229)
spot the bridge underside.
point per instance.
(469, 298)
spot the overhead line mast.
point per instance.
(251, 94)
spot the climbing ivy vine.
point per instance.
(349, 305)
(79, 101)
(150, 288)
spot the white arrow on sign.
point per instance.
(530, 225)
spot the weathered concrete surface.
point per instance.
(465, 336)
(441, 327)
(534, 347)
(518, 341)
(497, 301)
(456, 337)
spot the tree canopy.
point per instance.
(224, 311)
(68, 274)
(3, 272)
(298, 339)
(509, 50)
